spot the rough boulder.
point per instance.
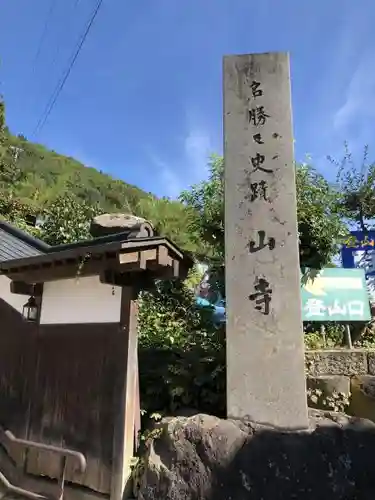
(105, 224)
(205, 458)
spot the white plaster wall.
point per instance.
(83, 300)
(13, 299)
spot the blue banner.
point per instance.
(359, 252)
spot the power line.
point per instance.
(55, 95)
(52, 101)
(65, 29)
(44, 34)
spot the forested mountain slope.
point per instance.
(45, 174)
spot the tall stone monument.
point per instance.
(265, 349)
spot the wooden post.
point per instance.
(348, 337)
(323, 334)
(126, 398)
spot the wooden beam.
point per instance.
(59, 270)
(163, 256)
(140, 281)
(140, 258)
(176, 268)
(22, 288)
(146, 257)
(156, 256)
(70, 254)
(168, 272)
(129, 258)
(150, 259)
(144, 279)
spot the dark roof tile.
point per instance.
(12, 247)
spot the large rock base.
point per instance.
(206, 458)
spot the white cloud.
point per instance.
(190, 165)
(346, 87)
(171, 185)
(359, 101)
(198, 148)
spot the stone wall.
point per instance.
(343, 376)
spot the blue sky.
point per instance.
(144, 100)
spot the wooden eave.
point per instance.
(157, 257)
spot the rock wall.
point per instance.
(201, 457)
(205, 458)
(346, 377)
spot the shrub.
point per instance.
(181, 354)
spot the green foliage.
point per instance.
(10, 174)
(67, 220)
(330, 338)
(68, 193)
(2, 129)
(319, 223)
(47, 174)
(357, 188)
(170, 218)
(194, 278)
(206, 219)
(39, 179)
(366, 338)
(314, 340)
(16, 213)
(184, 354)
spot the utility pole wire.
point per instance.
(65, 30)
(60, 85)
(43, 36)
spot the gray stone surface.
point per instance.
(371, 362)
(330, 384)
(367, 384)
(265, 362)
(105, 224)
(205, 458)
(336, 362)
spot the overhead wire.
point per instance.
(42, 39)
(65, 29)
(56, 93)
(43, 35)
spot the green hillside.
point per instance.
(33, 177)
(45, 174)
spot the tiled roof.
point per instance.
(15, 244)
(13, 248)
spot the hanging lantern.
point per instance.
(30, 310)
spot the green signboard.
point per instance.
(336, 294)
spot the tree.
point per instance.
(170, 219)
(319, 221)
(67, 220)
(25, 166)
(320, 226)
(11, 208)
(206, 217)
(357, 189)
(181, 354)
(16, 213)
(10, 173)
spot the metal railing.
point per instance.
(15, 490)
(7, 437)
